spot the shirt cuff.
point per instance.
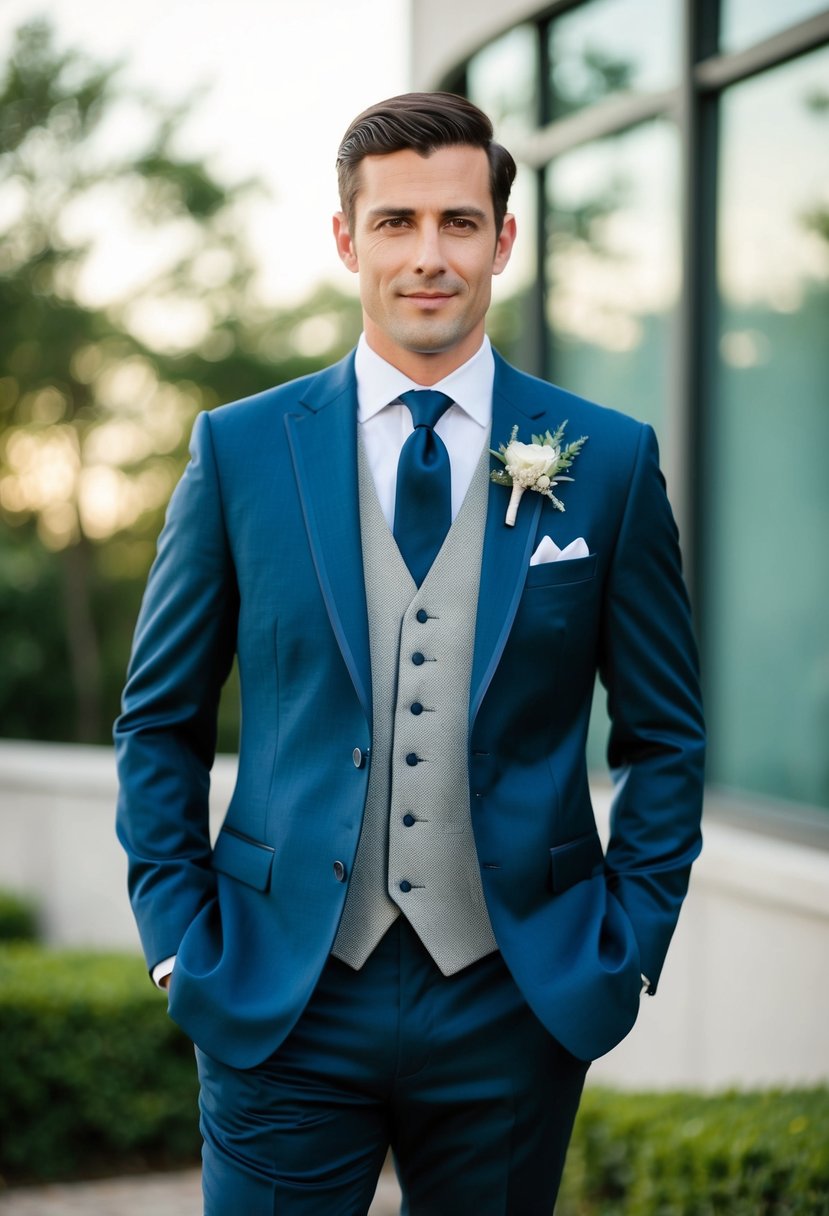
(162, 970)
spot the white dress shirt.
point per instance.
(386, 423)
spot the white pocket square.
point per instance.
(548, 551)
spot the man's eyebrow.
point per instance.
(468, 213)
(462, 212)
(392, 212)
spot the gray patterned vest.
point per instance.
(416, 853)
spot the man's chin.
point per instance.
(429, 339)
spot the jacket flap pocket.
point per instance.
(578, 859)
(243, 858)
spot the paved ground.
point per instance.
(155, 1195)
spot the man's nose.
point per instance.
(429, 258)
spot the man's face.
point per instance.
(425, 248)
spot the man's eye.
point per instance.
(461, 222)
(394, 221)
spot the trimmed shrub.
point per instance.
(18, 918)
(94, 1078)
(683, 1154)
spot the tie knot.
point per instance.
(426, 405)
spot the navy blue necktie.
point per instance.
(423, 502)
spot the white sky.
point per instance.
(286, 77)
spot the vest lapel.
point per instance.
(507, 551)
(323, 443)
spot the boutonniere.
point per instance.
(534, 466)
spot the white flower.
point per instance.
(527, 462)
(534, 466)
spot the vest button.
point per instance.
(412, 759)
(409, 820)
(416, 708)
(339, 871)
(418, 658)
(405, 886)
(359, 757)
(422, 615)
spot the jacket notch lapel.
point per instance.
(507, 551)
(323, 444)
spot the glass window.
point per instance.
(612, 46)
(503, 80)
(744, 22)
(765, 482)
(613, 269)
(511, 322)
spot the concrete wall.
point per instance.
(744, 997)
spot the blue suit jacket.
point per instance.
(260, 556)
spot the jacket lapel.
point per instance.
(516, 398)
(323, 443)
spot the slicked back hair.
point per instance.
(423, 122)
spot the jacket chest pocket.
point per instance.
(567, 573)
(560, 596)
(558, 615)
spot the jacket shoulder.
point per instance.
(582, 415)
(268, 407)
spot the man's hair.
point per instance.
(422, 122)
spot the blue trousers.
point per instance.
(456, 1075)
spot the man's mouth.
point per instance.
(429, 298)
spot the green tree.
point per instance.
(97, 390)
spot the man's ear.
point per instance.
(504, 244)
(345, 245)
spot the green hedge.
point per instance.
(683, 1154)
(94, 1077)
(18, 918)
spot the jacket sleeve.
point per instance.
(656, 745)
(165, 738)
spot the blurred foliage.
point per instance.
(18, 918)
(95, 1078)
(98, 393)
(685, 1154)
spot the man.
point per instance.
(406, 933)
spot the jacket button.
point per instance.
(339, 871)
(416, 708)
(418, 658)
(422, 615)
(359, 757)
(409, 819)
(405, 886)
(412, 759)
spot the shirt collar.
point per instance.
(470, 386)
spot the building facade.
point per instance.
(673, 262)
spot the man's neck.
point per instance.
(422, 367)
